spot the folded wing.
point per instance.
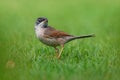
(51, 32)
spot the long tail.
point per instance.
(83, 36)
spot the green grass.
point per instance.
(23, 57)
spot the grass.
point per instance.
(23, 57)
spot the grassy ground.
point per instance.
(23, 57)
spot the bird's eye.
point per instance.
(43, 19)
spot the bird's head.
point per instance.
(42, 22)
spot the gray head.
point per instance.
(42, 22)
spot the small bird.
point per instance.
(52, 37)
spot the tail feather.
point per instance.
(83, 36)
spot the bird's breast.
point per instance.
(39, 32)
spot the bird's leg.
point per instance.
(56, 50)
(62, 46)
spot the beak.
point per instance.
(45, 20)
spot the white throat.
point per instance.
(39, 30)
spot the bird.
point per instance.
(53, 37)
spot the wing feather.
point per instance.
(51, 32)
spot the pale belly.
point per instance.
(49, 41)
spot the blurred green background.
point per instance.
(23, 57)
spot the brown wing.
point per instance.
(51, 32)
